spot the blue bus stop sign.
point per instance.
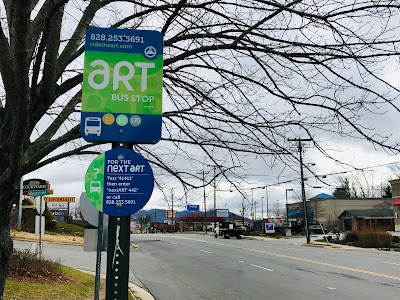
(119, 182)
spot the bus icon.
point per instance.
(95, 186)
(93, 126)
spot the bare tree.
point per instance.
(239, 78)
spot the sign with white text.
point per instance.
(223, 213)
(193, 207)
(119, 182)
(269, 228)
(35, 184)
(122, 85)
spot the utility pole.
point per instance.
(243, 212)
(172, 212)
(303, 192)
(252, 205)
(204, 197)
(266, 194)
(215, 199)
(262, 208)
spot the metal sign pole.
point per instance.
(98, 256)
(118, 258)
(118, 248)
(40, 228)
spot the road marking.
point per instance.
(174, 243)
(241, 261)
(315, 262)
(262, 268)
(205, 251)
(330, 288)
(390, 263)
(296, 249)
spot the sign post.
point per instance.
(193, 208)
(121, 103)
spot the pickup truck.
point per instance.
(227, 230)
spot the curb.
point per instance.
(137, 292)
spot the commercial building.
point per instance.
(396, 202)
(325, 209)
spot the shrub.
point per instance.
(351, 236)
(374, 239)
(396, 239)
(27, 264)
(69, 229)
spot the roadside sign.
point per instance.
(193, 207)
(269, 228)
(35, 184)
(40, 207)
(90, 213)
(119, 182)
(38, 193)
(223, 213)
(170, 214)
(59, 199)
(56, 205)
(122, 85)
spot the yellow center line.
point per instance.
(298, 259)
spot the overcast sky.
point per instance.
(67, 176)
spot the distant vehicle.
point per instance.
(210, 227)
(316, 227)
(227, 230)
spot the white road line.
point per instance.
(241, 261)
(262, 268)
(205, 251)
(390, 263)
(173, 243)
(330, 288)
(296, 249)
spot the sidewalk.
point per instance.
(303, 243)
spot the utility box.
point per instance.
(288, 232)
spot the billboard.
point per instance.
(223, 213)
(193, 207)
(168, 214)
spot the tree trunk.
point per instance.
(6, 244)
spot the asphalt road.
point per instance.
(189, 266)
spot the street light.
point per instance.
(277, 209)
(266, 194)
(287, 208)
(262, 208)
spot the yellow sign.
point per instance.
(59, 199)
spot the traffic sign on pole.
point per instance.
(122, 85)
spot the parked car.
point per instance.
(316, 227)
